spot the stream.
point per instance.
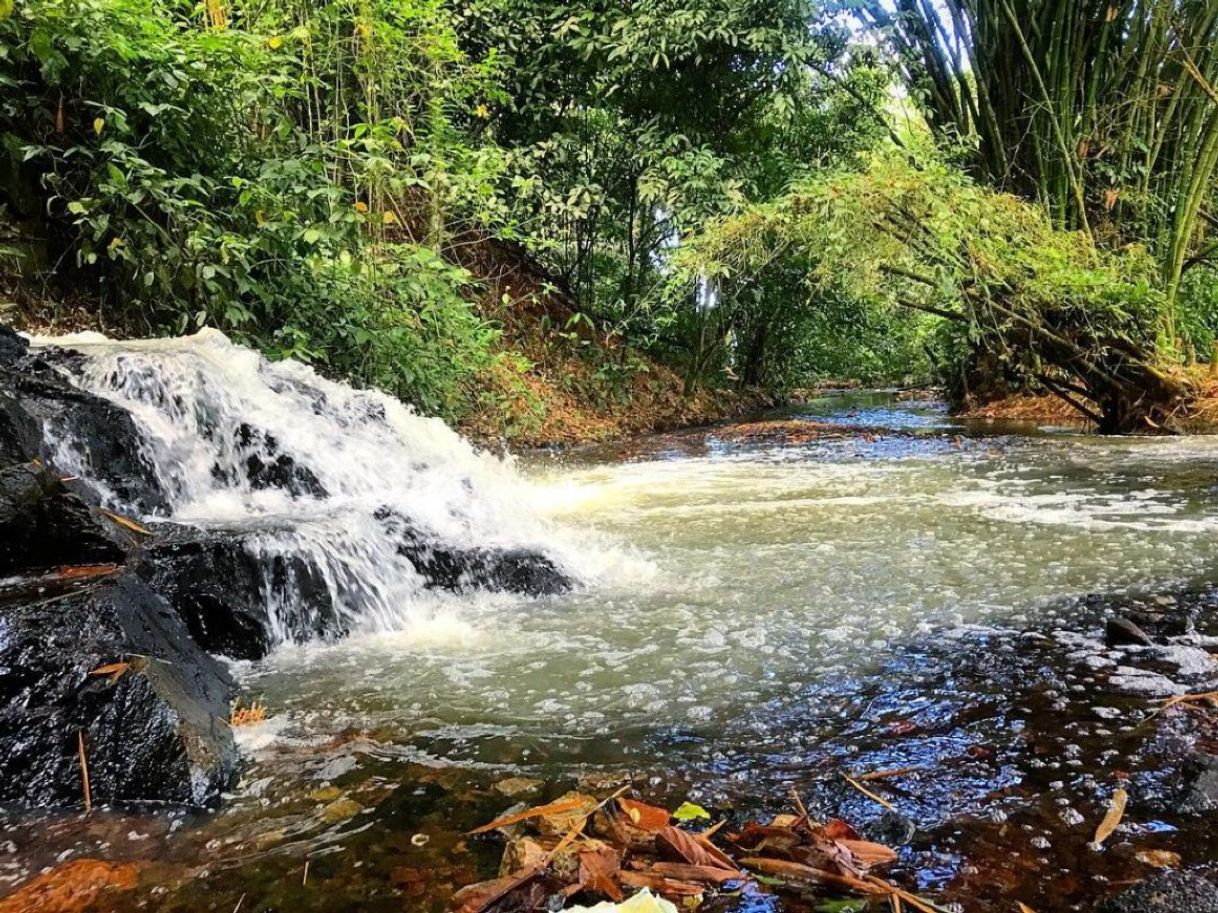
(752, 616)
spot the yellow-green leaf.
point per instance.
(687, 811)
(99, 124)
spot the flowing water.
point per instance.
(749, 618)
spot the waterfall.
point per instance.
(379, 502)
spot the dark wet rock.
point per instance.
(1123, 632)
(1171, 892)
(223, 591)
(158, 732)
(1199, 784)
(448, 567)
(38, 403)
(267, 467)
(891, 829)
(43, 525)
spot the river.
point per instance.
(755, 616)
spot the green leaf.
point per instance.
(690, 812)
(312, 236)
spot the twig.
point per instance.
(869, 794)
(84, 770)
(240, 901)
(305, 879)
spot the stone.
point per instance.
(38, 404)
(156, 732)
(340, 810)
(43, 525)
(1123, 632)
(448, 567)
(223, 592)
(1169, 892)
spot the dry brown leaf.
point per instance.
(114, 670)
(1116, 811)
(552, 808)
(798, 874)
(665, 887)
(477, 897)
(71, 888)
(687, 848)
(1160, 859)
(1023, 907)
(869, 854)
(683, 871)
(598, 869)
(643, 816)
(85, 571)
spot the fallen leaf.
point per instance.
(552, 808)
(869, 854)
(477, 897)
(1024, 908)
(597, 870)
(674, 842)
(85, 571)
(114, 670)
(667, 887)
(688, 811)
(1116, 810)
(128, 523)
(1160, 859)
(683, 871)
(643, 816)
(800, 875)
(71, 888)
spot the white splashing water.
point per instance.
(216, 419)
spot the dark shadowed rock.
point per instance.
(1198, 792)
(158, 732)
(1123, 632)
(43, 525)
(37, 404)
(1170, 892)
(224, 594)
(448, 567)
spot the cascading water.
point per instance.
(352, 486)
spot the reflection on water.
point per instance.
(766, 616)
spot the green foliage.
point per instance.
(284, 173)
(924, 237)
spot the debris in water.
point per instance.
(1116, 810)
(631, 845)
(246, 716)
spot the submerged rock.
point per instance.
(1170, 892)
(154, 729)
(449, 567)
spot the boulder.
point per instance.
(38, 403)
(1170, 892)
(154, 728)
(448, 567)
(224, 594)
(43, 525)
(1123, 632)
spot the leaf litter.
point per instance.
(618, 852)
